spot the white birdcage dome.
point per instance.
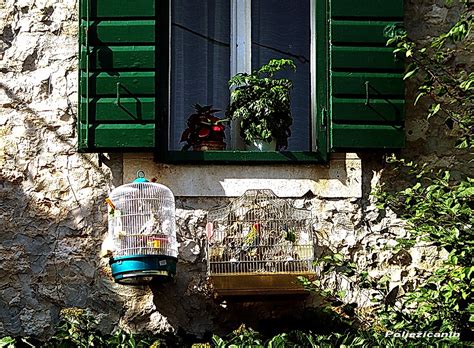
(142, 229)
(144, 214)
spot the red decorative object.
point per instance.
(205, 131)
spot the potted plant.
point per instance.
(261, 103)
(205, 131)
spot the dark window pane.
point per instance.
(200, 59)
(281, 29)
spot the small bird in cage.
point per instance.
(118, 228)
(252, 253)
(216, 253)
(235, 227)
(270, 267)
(151, 226)
(289, 234)
(304, 237)
(251, 235)
(108, 246)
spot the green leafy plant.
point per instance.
(261, 103)
(204, 127)
(439, 212)
(297, 339)
(241, 337)
(438, 203)
(247, 337)
(78, 328)
(447, 87)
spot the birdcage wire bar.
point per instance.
(260, 233)
(142, 221)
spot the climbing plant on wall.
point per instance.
(436, 203)
(444, 83)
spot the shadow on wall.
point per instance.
(50, 242)
(40, 123)
(185, 301)
(201, 315)
(193, 310)
(46, 265)
(192, 307)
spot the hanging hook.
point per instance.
(140, 177)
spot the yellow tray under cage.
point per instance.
(259, 284)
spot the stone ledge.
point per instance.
(342, 178)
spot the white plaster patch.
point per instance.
(341, 179)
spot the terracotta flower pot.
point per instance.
(209, 146)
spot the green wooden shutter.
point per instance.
(117, 75)
(366, 79)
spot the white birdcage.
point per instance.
(142, 231)
(259, 244)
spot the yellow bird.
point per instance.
(251, 237)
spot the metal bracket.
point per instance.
(117, 101)
(367, 96)
(368, 87)
(324, 117)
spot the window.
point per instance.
(283, 29)
(143, 64)
(213, 40)
(200, 60)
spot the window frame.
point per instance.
(319, 101)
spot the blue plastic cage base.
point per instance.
(143, 269)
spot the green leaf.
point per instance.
(410, 74)
(434, 109)
(418, 97)
(7, 342)
(467, 192)
(341, 294)
(218, 342)
(278, 341)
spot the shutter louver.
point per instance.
(367, 89)
(117, 69)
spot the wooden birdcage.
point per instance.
(259, 244)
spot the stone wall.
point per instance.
(53, 217)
